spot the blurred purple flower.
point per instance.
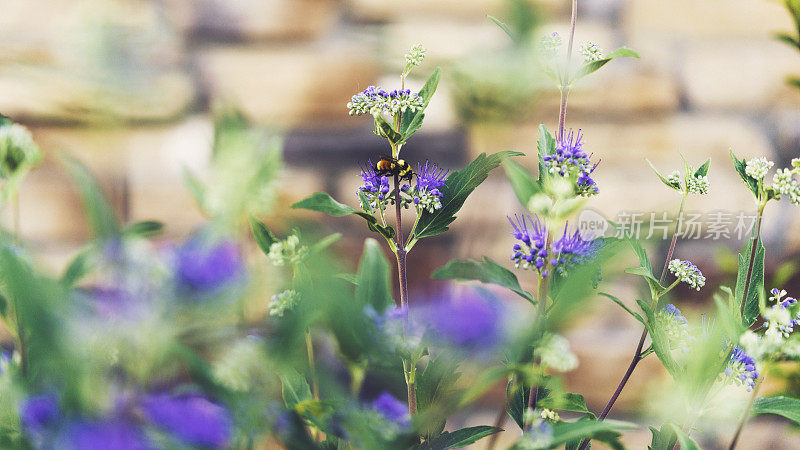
(571, 249)
(204, 264)
(472, 321)
(192, 418)
(392, 409)
(107, 435)
(39, 412)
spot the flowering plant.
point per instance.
(252, 331)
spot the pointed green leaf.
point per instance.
(636, 315)
(587, 68)
(386, 130)
(410, 123)
(523, 182)
(502, 26)
(741, 165)
(324, 243)
(605, 430)
(79, 267)
(99, 213)
(486, 271)
(324, 203)
(145, 228)
(458, 186)
(702, 171)
(661, 345)
(751, 306)
(196, 188)
(374, 286)
(517, 397)
(676, 186)
(783, 406)
(294, 388)
(264, 238)
(460, 438)
(566, 401)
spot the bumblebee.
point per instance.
(391, 166)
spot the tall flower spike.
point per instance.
(758, 167)
(531, 250)
(426, 194)
(570, 160)
(687, 273)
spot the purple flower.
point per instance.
(472, 321)
(742, 368)
(39, 412)
(675, 312)
(193, 419)
(106, 435)
(571, 249)
(532, 250)
(375, 187)
(570, 160)
(375, 100)
(392, 409)
(426, 193)
(204, 264)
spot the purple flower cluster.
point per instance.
(375, 188)
(204, 264)
(566, 252)
(376, 100)
(673, 311)
(570, 160)
(392, 409)
(742, 368)
(470, 322)
(784, 326)
(426, 193)
(191, 419)
(571, 249)
(533, 248)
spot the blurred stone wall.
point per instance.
(130, 86)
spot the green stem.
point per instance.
(564, 88)
(746, 414)
(410, 373)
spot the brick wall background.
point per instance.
(129, 86)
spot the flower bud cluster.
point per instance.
(675, 326)
(591, 52)
(554, 352)
(282, 302)
(687, 273)
(375, 100)
(696, 184)
(415, 56)
(550, 45)
(570, 160)
(288, 251)
(758, 167)
(784, 183)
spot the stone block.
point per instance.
(293, 85)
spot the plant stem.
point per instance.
(753, 250)
(746, 414)
(499, 420)
(541, 316)
(410, 372)
(314, 381)
(637, 355)
(564, 88)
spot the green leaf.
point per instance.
(264, 238)
(663, 179)
(605, 430)
(641, 254)
(783, 406)
(566, 401)
(636, 315)
(517, 396)
(684, 441)
(670, 434)
(410, 123)
(196, 188)
(787, 39)
(294, 388)
(79, 267)
(457, 188)
(486, 271)
(523, 182)
(460, 438)
(587, 68)
(324, 203)
(146, 228)
(741, 165)
(374, 286)
(436, 386)
(546, 144)
(661, 345)
(751, 306)
(386, 130)
(702, 171)
(324, 243)
(502, 26)
(99, 213)
(652, 282)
